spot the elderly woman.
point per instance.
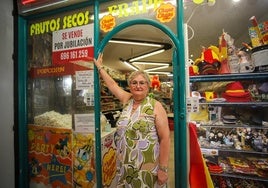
(143, 136)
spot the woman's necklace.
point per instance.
(135, 105)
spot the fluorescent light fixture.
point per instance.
(147, 55)
(148, 63)
(135, 42)
(154, 72)
(132, 62)
(159, 65)
(162, 47)
(44, 6)
(129, 65)
(156, 68)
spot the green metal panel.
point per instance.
(180, 133)
(97, 100)
(22, 104)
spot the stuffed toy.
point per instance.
(193, 69)
(211, 54)
(155, 82)
(226, 47)
(209, 62)
(245, 62)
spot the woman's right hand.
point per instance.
(98, 61)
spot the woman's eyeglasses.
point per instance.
(136, 83)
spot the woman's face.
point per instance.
(139, 87)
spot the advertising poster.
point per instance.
(72, 44)
(50, 156)
(84, 163)
(108, 159)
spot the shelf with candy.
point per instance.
(233, 182)
(234, 164)
(232, 175)
(250, 168)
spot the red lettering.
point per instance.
(64, 36)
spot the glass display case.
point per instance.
(61, 125)
(59, 95)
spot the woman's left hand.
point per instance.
(162, 177)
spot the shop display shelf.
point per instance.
(241, 176)
(229, 77)
(231, 149)
(257, 103)
(212, 149)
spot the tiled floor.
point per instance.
(171, 181)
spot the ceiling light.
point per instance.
(148, 63)
(132, 65)
(129, 65)
(164, 47)
(132, 61)
(156, 68)
(136, 42)
(147, 55)
(165, 73)
(159, 65)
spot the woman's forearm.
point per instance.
(110, 82)
(112, 85)
(164, 152)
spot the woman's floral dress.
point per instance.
(137, 145)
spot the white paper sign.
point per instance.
(84, 123)
(85, 80)
(73, 44)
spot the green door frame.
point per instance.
(179, 100)
(179, 95)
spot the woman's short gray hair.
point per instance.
(136, 73)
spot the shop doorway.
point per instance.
(176, 167)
